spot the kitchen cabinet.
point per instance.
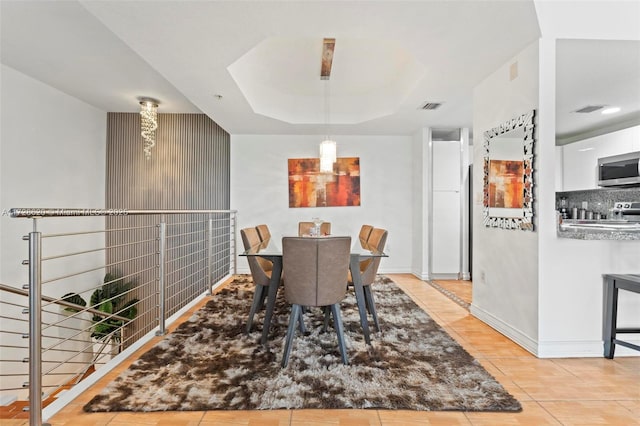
(580, 159)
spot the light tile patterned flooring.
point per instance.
(585, 391)
(461, 289)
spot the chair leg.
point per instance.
(303, 329)
(368, 295)
(327, 314)
(257, 300)
(291, 332)
(337, 321)
(263, 298)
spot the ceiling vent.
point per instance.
(589, 108)
(430, 105)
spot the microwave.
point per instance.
(619, 170)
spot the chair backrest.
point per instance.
(365, 231)
(263, 232)
(250, 238)
(304, 228)
(378, 239)
(315, 269)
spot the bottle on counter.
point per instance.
(562, 208)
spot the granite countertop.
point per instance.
(599, 229)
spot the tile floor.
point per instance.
(585, 391)
(460, 289)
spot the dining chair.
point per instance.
(365, 231)
(315, 271)
(261, 276)
(304, 228)
(263, 232)
(369, 270)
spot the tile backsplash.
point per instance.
(598, 200)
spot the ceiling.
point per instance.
(253, 66)
(596, 73)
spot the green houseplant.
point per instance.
(74, 298)
(112, 298)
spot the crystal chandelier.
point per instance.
(148, 124)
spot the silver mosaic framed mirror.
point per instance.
(508, 174)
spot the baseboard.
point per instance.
(509, 331)
(453, 276)
(582, 349)
(424, 276)
(395, 271)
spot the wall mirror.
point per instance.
(508, 174)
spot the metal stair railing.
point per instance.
(154, 261)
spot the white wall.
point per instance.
(570, 298)
(52, 154)
(420, 247)
(505, 262)
(259, 189)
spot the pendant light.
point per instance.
(327, 146)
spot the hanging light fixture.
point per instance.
(328, 146)
(148, 123)
(327, 155)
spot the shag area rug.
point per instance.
(208, 363)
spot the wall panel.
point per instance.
(188, 169)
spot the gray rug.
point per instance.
(209, 364)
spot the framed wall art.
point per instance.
(308, 187)
(508, 174)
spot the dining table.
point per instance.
(271, 249)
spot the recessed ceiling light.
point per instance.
(428, 106)
(588, 109)
(610, 110)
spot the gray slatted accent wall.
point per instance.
(188, 169)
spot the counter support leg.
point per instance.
(610, 313)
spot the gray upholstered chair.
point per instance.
(261, 276)
(304, 228)
(315, 271)
(369, 270)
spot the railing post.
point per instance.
(210, 255)
(235, 243)
(162, 244)
(35, 326)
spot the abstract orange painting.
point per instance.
(506, 184)
(310, 188)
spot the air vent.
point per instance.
(589, 108)
(430, 105)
